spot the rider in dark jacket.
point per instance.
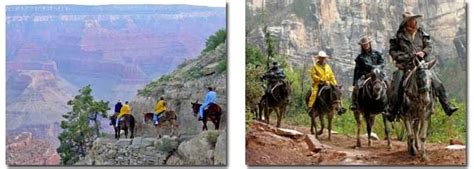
(365, 62)
(273, 76)
(409, 42)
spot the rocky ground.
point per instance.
(266, 145)
(207, 148)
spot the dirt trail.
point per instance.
(264, 147)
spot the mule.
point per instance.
(418, 105)
(372, 100)
(276, 100)
(127, 124)
(168, 115)
(327, 103)
(213, 112)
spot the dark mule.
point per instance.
(418, 105)
(372, 101)
(127, 123)
(327, 102)
(213, 113)
(277, 100)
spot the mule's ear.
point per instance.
(432, 63)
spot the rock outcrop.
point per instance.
(207, 148)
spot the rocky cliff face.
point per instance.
(117, 48)
(23, 149)
(302, 27)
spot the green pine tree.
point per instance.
(78, 133)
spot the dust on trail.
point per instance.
(264, 147)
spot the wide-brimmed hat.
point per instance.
(321, 54)
(408, 15)
(365, 40)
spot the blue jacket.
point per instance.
(211, 97)
(118, 106)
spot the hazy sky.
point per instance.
(213, 3)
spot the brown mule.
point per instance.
(213, 113)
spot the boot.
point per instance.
(443, 98)
(448, 108)
(355, 92)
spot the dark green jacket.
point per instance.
(365, 62)
(403, 49)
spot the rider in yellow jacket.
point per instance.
(321, 73)
(123, 111)
(160, 107)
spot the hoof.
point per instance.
(357, 146)
(425, 158)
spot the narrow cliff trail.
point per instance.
(265, 147)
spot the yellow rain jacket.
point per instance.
(124, 110)
(319, 74)
(160, 107)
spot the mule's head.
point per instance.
(113, 119)
(336, 96)
(195, 107)
(423, 76)
(376, 83)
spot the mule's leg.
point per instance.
(279, 113)
(416, 130)
(370, 121)
(386, 124)
(267, 112)
(423, 134)
(218, 121)
(357, 118)
(204, 124)
(314, 116)
(409, 130)
(330, 116)
(132, 133)
(321, 120)
(312, 121)
(126, 132)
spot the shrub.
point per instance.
(166, 145)
(212, 137)
(215, 40)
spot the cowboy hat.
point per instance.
(322, 54)
(364, 40)
(408, 15)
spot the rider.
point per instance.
(274, 75)
(118, 106)
(409, 42)
(321, 74)
(211, 97)
(123, 111)
(160, 107)
(365, 62)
